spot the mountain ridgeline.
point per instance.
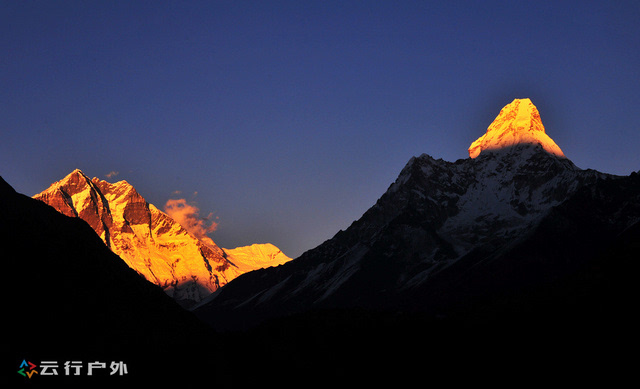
(515, 231)
(508, 265)
(187, 267)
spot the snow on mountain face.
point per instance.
(503, 195)
(253, 257)
(518, 123)
(435, 214)
(147, 239)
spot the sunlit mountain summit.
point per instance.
(452, 238)
(186, 266)
(518, 123)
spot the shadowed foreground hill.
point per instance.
(72, 299)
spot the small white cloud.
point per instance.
(188, 216)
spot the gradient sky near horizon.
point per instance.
(287, 120)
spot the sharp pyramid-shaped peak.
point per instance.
(72, 183)
(77, 181)
(518, 123)
(75, 176)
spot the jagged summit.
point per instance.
(150, 241)
(518, 123)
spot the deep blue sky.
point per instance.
(290, 119)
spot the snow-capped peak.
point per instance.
(518, 123)
(150, 241)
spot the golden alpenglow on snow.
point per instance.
(253, 257)
(187, 267)
(518, 123)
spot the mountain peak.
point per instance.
(75, 176)
(186, 266)
(517, 123)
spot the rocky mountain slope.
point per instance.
(451, 237)
(188, 268)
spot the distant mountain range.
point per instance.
(512, 266)
(151, 242)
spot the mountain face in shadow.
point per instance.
(446, 234)
(515, 249)
(482, 268)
